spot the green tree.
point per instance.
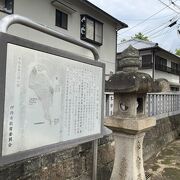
(140, 36)
(178, 52)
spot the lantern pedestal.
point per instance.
(128, 135)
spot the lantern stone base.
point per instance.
(128, 136)
(129, 125)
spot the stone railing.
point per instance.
(162, 105)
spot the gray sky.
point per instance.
(133, 12)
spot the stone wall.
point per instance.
(165, 131)
(76, 163)
(71, 164)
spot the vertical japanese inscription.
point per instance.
(82, 102)
(11, 119)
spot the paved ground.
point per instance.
(166, 165)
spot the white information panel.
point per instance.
(48, 99)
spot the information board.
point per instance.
(49, 99)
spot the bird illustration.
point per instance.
(40, 83)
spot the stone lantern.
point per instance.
(129, 121)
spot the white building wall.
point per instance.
(170, 77)
(43, 12)
(147, 71)
(160, 74)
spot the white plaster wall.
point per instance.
(170, 77)
(160, 74)
(43, 12)
(148, 71)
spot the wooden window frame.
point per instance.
(60, 26)
(146, 65)
(6, 11)
(84, 36)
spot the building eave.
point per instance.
(156, 48)
(119, 24)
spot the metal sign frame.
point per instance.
(4, 40)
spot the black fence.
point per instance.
(161, 67)
(167, 69)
